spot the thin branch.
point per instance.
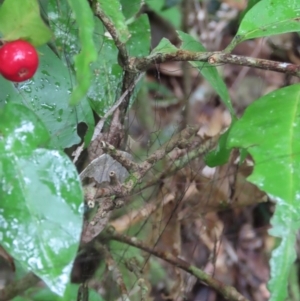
(187, 158)
(213, 58)
(142, 64)
(286, 68)
(100, 124)
(19, 286)
(113, 267)
(228, 292)
(119, 156)
(113, 32)
(179, 139)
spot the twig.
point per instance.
(214, 58)
(228, 292)
(113, 267)
(119, 156)
(178, 139)
(255, 63)
(183, 161)
(113, 32)
(100, 124)
(132, 265)
(17, 287)
(138, 171)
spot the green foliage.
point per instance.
(270, 131)
(85, 20)
(164, 46)
(113, 11)
(139, 42)
(47, 95)
(220, 154)
(267, 18)
(15, 24)
(210, 73)
(130, 10)
(41, 198)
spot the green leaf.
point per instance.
(250, 4)
(220, 154)
(209, 72)
(41, 199)
(23, 22)
(63, 24)
(164, 46)
(139, 42)
(113, 11)
(47, 94)
(108, 75)
(270, 131)
(85, 20)
(275, 17)
(106, 70)
(130, 10)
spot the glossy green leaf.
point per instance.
(130, 10)
(85, 20)
(139, 42)
(41, 199)
(270, 131)
(23, 21)
(209, 72)
(47, 94)
(250, 4)
(63, 24)
(220, 154)
(113, 11)
(164, 46)
(270, 17)
(107, 75)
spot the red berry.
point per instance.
(18, 60)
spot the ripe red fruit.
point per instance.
(18, 60)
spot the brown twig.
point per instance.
(113, 32)
(113, 267)
(17, 287)
(226, 58)
(213, 58)
(228, 292)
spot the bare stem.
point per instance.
(17, 287)
(214, 58)
(113, 32)
(228, 292)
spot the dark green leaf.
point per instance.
(139, 42)
(130, 9)
(220, 154)
(164, 46)
(23, 22)
(41, 199)
(108, 75)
